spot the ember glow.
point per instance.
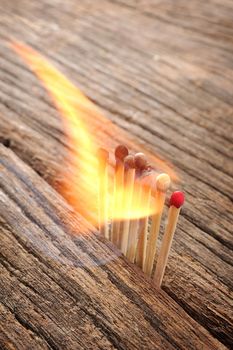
(78, 113)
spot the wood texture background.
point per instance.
(162, 71)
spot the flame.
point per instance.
(78, 114)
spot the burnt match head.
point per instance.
(177, 199)
(140, 161)
(103, 156)
(121, 152)
(129, 162)
(163, 182)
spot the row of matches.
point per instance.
(139, 197)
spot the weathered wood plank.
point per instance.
(214, 255)
(68, 290)
(14, 334)
(164, 73)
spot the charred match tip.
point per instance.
(103, 155)
(140, 161)
(121, 152)
(129, 162)
(177, 199)
(163, 182)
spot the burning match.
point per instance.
(129, 165)
(135, 203)
(108, 110)
(103, 157)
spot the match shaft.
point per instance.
(143, 228)
(103, 194)
(129, 187)
(134, 224)
(154, 232)
(121, 152)
(118, 185)
(173, 215)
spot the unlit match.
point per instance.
(148, 181)
(176, 202)
(162, 185)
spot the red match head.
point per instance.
(177, 199)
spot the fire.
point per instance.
(78, 113)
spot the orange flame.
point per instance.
(78, 113)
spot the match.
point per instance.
(134, 224)
(103, 157)
(121, 152)
(162, 185)
(176, 202)
(138, 226)
(129, 166)
(147, 185)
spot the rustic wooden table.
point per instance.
(162, 71)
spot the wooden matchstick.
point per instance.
(176, 202)
(145, 195)
(103, 157)
(140, 162)
(147, 185)
(128, 197)
(121, 152)
(162, 185)
(134, 224)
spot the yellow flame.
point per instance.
(86, 179)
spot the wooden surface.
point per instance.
(66, 290)
(162, 71)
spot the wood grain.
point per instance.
(67, 290)
(162, 71)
